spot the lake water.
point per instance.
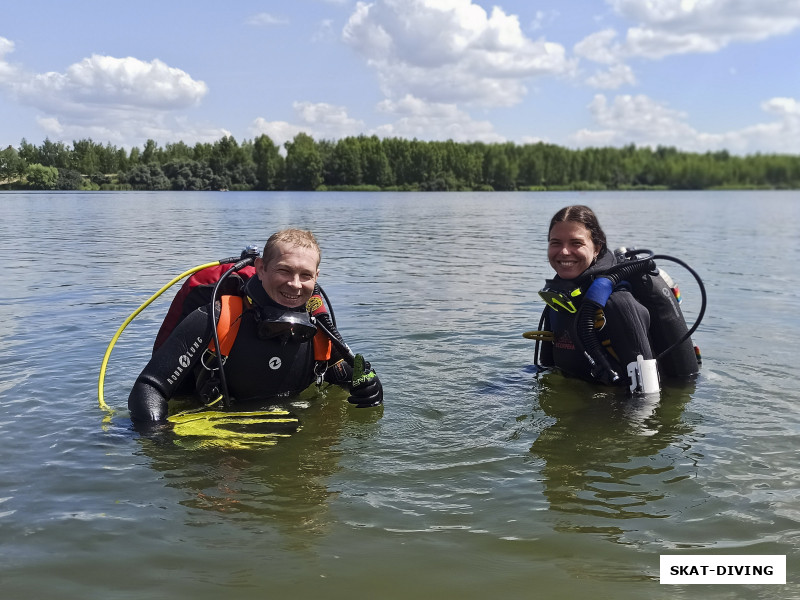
(476, 479)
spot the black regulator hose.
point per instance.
(329, 305)
(596, 297)
(703, 302)
(336, 339)
(248, 257)
(599, 292)
(593, 349)
(537, 347)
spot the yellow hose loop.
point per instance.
(104, 364)
(539, 336)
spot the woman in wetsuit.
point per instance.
(577, 251)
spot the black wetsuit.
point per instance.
(255, 369)
(623, 330)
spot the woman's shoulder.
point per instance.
(623, 300)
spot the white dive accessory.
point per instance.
(643, 375)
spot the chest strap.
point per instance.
(230, 317)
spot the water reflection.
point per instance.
(283, 483)
(437, 488)
(607, 456)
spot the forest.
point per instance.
(369, 163)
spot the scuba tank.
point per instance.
(656, 291)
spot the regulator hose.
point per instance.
(248, 259)
(125, 323)
(150, 300)
(597, 295)
(537, 347)
(703, 303)
(324, 322)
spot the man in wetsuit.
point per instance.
(266, 359)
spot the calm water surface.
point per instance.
(477, 479)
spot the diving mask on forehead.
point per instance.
(560, 301)
(285, 325)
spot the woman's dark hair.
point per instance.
(586, 217)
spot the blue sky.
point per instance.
(699, 75)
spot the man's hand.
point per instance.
(366, 389)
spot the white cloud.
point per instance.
(665, 27)
(450, 51)
(600, 47)
(120, 100)
(324, 32)
(51, 125)
(410, 117)
(415, 118)
(105, 80)
(279, 132)
(319, 120)
(783, 107)
(645, 122)
(612, 78)
(6, 47)
(7, 71)
(265, 19)
(655, 44)
(102, 84)
(543, 19)
(162, 128)
(327, 120)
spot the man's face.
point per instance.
(289, 275)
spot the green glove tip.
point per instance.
(359, 376)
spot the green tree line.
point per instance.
(372, 163)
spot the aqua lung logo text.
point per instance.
(274, 363)
(184, 360)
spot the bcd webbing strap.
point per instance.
(322, 346)
(230, 317)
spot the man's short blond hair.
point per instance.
(293, 237)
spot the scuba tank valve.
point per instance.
(644, 376)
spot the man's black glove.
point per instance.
(366, 389)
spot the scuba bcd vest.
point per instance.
(228, 285)
(197, 291)
(669, 336)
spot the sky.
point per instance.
(697, 75)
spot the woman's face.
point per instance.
(570, 249)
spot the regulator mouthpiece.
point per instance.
(643, 375)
